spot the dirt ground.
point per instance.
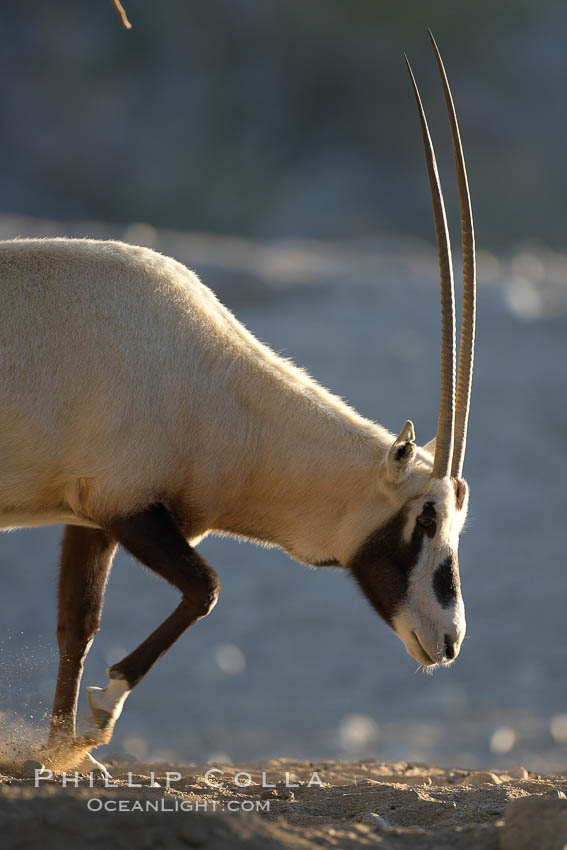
(288, 804)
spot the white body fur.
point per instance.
(125, 380)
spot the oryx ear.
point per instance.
(399, 460)
(430, 446)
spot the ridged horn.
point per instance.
(445, 422)
(466, 345)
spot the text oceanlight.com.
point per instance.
(166, 804)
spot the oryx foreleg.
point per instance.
(154, 538)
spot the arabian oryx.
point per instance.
(138, 411)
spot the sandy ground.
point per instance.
(289, 804)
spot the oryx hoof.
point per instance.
(92, 767)
(106, 707)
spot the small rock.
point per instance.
(30, 766)
(494, 811)
(535, 822)
(267, 793)
(518, 773)
(372, 819)
(284, 793)
(484, 777)
(535, 787)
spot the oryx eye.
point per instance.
(429, 523)
(428, 519)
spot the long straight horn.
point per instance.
(445, 422)
(466, 347)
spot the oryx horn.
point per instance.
(453, 419)
(466, 346)
(445, 422)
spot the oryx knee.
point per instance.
(201, 592)
(78, 631)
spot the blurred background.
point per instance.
(274, 148)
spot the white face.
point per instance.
(409, 571)
(430, 620)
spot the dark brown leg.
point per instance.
(154, 538)
(85, 565)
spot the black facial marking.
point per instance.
(383, 564)
(446, 582)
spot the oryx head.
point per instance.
(408, 568)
